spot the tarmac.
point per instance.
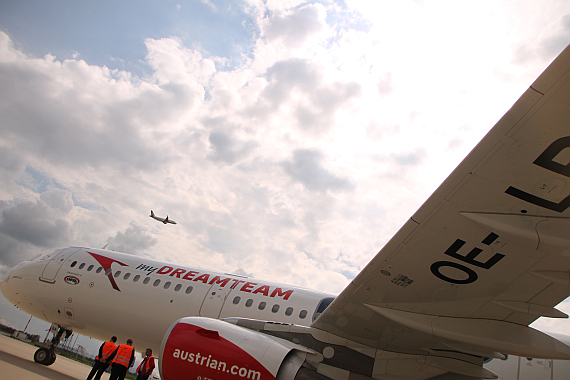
(17, 362)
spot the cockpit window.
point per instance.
(46, 255)
(36, 256)
(325, 302)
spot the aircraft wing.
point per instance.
(487, 254)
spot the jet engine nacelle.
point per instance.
(197, 347)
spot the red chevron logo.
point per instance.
(106, 263)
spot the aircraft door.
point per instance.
(52, 267)
(214, 301)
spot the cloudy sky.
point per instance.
(289, 140)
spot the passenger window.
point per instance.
(73, 264)
(136, 278)
(303, 314)
(108, 272)
(117, 273)
(156, 282)
(325, 302)
(146, 280)
(99, 270)
(167, 285)
(275, 308)
(82, 265)
(249, 302)
(126, 277)
(262, 305)
(189, 290)
(289, 311)
(177, 287)
(236, 300)
(90, 268)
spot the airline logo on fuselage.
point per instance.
(190, 275)
(222, 282)
(106, 263)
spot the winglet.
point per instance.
(151, 214)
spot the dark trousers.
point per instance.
(142, 377)
(118, 372)
(97, 370)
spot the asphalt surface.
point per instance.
(17, 362)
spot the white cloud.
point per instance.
(306, 167)
(59, 199)
(295, 165)
(134, 240)
(293, 28)
(211, 5)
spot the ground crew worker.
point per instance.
(100, 364)
(121, 360)
(144, 370)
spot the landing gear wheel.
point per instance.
(44, 356)
(52, 360)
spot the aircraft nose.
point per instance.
(5, 277)
(11, 283)
(8, 275)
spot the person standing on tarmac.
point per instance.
(144, 370)
(121, 360)
(100, 364)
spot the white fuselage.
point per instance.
(102, 293)
(139, 298)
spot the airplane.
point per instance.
(163, 220)
(450, 296)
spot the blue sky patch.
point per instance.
(112, 33)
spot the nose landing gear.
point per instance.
(46, 353)
(44, 356)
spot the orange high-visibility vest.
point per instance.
(123, 355)
(108, 349)
(146, 370)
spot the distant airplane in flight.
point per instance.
(163, 220)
